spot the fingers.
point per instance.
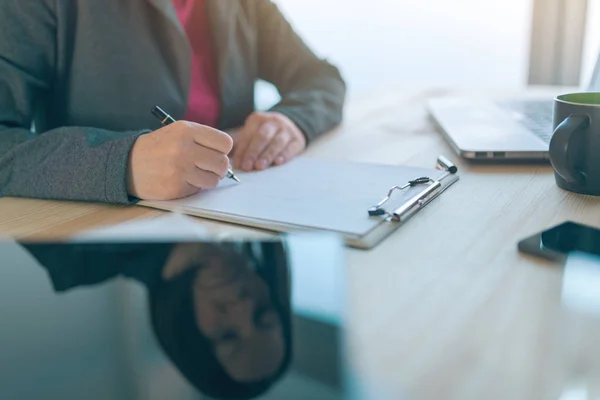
(211, 138)
(277, 144)
(188, 190)
(244, 137)
(258, 142)
(267, 138)
(208, 152)
(293, 148)
(207, 159)
(202, 179)
(241, 145)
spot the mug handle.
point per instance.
(560, 154)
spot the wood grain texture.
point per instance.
(446, 308)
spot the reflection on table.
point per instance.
(167, 320)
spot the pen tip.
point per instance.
(235, 178)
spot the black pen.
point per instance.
(166, 119)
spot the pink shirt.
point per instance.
(204, 98)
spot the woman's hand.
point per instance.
(267, 138)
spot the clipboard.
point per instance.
(393, 218)
(363, 203)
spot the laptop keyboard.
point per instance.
(534, 115)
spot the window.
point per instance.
(418, 43)
(592, 42)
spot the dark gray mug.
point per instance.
(575, 144)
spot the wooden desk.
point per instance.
(446, 308)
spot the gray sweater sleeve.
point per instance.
(67, 163)
(312, 90)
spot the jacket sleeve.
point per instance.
(67, 163)
(312, 90)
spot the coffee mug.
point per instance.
(575, 144)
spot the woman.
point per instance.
(87, 74)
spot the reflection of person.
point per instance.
(220, 312)
(249, 343)
(87, 74)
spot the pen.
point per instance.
(166, 119)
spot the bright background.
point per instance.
(444, 42)
(592, 40)
(379, 43)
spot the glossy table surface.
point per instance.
(446, 307)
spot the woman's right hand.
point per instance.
(177, 161)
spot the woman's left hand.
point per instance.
(267, 138)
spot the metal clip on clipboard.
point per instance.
(419, 200)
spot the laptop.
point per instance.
(499, 129)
